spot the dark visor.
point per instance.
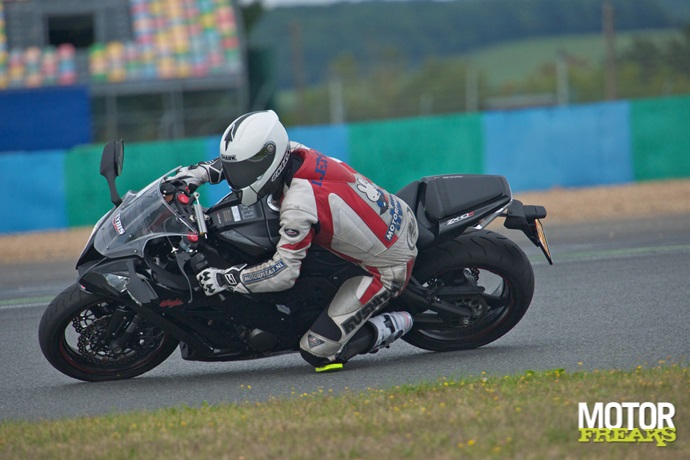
(242, 174)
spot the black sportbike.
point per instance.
(137, 299)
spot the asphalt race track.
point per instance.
(617, 297)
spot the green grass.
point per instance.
(532, 415)
(516, 60)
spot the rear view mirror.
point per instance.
(111, 167)
(113, 157)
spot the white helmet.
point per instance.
(254, 151)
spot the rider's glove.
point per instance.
(195, 175)
(192, 178)
(215, 280)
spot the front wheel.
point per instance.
(478, 261)
(79, 334)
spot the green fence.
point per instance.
(394, 153)
(538, 148)
(87, 190)
(661, 138)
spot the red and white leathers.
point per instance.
(328, 203)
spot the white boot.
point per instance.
(389, 327)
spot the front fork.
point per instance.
(121, 328)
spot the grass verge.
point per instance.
(532, 415)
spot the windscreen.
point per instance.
(141, 217)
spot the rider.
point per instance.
(322, 201)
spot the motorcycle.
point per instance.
(136, 299)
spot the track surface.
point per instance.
(617, 297)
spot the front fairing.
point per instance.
(88, 253)
(141, 217)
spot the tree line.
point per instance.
(315, 36)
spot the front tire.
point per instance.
(71, 335)
(477, 259)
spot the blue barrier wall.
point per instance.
(36, 184)
(560, 147)
(63, 121)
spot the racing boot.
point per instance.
(388, 328)
(378, 332)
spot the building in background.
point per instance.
(153, 69)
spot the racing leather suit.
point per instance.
(326, 202)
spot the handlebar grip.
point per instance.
(167, 188)
(198, 262)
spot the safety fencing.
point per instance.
(536, 149)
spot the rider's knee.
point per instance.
(318, 350)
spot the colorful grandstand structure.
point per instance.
(164, 40)
(123, 47)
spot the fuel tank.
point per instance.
(252, 229)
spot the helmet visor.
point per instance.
(242, 174)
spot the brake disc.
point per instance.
(91, 342)
(94, 346)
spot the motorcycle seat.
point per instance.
(437, 198)
(450, 195)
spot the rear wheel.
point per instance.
(79, 335)
(498, 282)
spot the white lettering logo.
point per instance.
(117, 223)
(455, 220)
(263, 274)
(627, 422)
(281, 166)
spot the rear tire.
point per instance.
(71, 338)
(483, 255)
